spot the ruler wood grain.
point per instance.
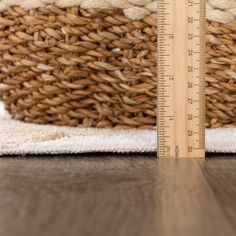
(180, 108)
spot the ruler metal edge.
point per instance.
(202, 22)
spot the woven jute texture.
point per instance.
(80, 66)
(221, 74)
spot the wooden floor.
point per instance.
(117, 196)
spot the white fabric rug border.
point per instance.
(22, 138)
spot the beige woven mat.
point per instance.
(21, 138)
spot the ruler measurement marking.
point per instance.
(180, 111)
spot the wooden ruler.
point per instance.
(181, 96)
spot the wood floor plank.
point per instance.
(220, 173)
(118, 196)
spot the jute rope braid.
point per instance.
(222, 11)
(221, 63)
(78, 66)
(133, 9)
(221, 74)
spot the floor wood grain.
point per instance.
(112, 195)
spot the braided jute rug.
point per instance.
(92, 63)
